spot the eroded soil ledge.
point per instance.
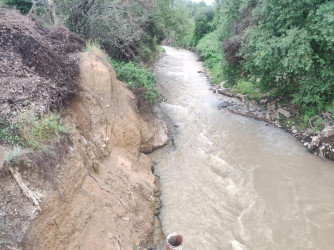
(97, 186)
(108, 194)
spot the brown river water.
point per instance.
(231, 182)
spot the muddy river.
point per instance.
(230, 182)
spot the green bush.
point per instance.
(138, 78)
(22, 5)
(209, 49)
(8, 134)
(120, 26)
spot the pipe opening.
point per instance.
(175, 240)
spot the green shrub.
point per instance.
(149, 52)
(22, 5)
(209, 49)
(8, 134)
(138, 78)
(120, 26)
(14, 156)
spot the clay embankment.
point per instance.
(98, 189)
(108, 193)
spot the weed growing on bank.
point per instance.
(93, 46)
(14, 157)
(35, 131)
(28, 130)
(247, 88)
(137, 77)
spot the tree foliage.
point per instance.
(291, 51)
(120, 26)
(22, 5)
(284, 47)
(174, 22)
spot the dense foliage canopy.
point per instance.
(284, 48)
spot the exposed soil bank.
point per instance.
(320, 143)
(108, 194)
(96, 185)
(105, 194)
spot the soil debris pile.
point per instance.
(37, 64)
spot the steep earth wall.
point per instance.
(102, 193)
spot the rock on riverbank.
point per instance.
(320, 143)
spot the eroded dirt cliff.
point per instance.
(107, 193)
(96, 184)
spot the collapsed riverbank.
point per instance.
(91, 186)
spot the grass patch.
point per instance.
(248, 89)
(36, 131)
(14, 157)
(94, 47)
(216, 73)
(28, 130)
(160, 48)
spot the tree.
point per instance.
(120, 26)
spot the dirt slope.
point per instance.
(97, 185)
(107, 195)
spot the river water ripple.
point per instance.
(234, 183)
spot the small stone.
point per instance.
(284, 112)
(294, 131)
(84, 140)
(223, 105)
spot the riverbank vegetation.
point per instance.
(281, 51)
(122, 30)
